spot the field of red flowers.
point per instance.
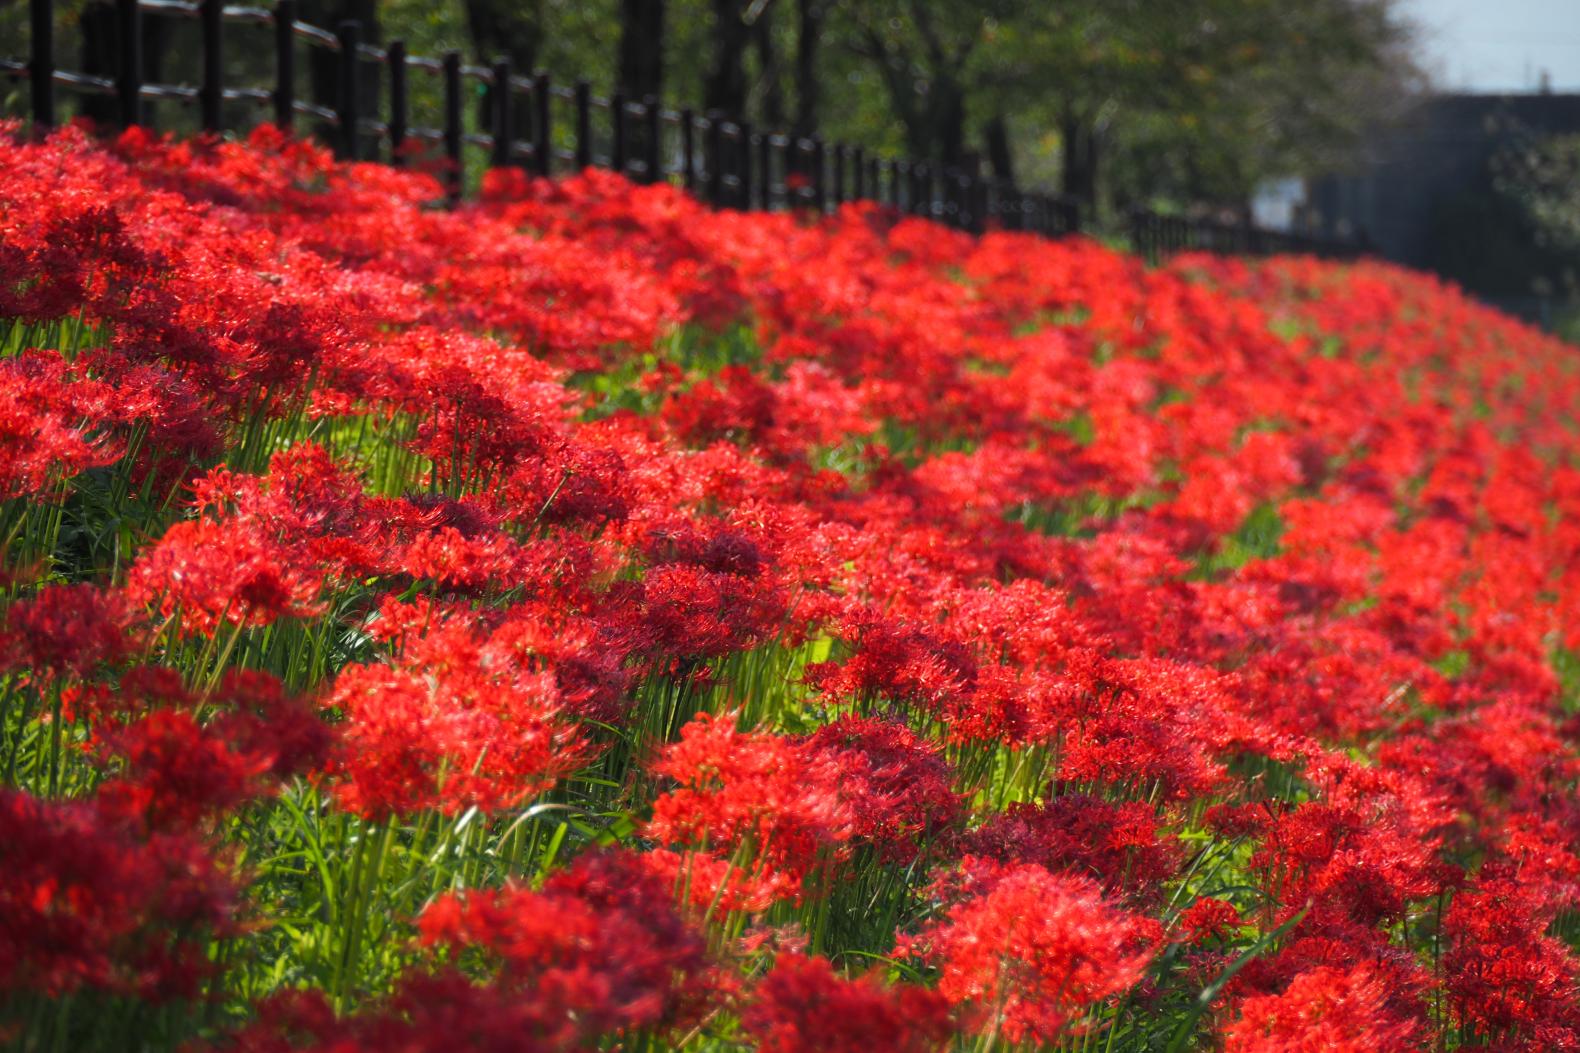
(581, 620)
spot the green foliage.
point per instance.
(1131, 100)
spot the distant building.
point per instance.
(1414, 169)
(1422, 191)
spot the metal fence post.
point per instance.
(819, 180)
(785, 146)
(743, 153)
(765, 169)
(584, 154)
(617, 158)
(350, 34)
(41, 62)
(285, 64)
(688, 150)
(715, 158)
(452, 122)
(651, 129)
(542, 126)
(398, 103)
(499, 114)
(129, 78)
(211, 92)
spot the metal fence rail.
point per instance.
(726, 162)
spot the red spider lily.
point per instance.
(51, 421)
(1117, 844)
(756, 812)
(1324, 1009)
(801, 1007)
(1506, 978)
(905, 665)
(899, 789)
(85, 904)
(178, 771)
(1028, 952)
(599, 948)
(597, 952)
(1274, 561)
(1209, 919)
(208, 574)
(66, 629)
(1368, 867)
(454, 724)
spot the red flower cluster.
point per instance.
(86, 903)
(455, 723)
(1088, 631)
(1026, 952)
(1326, 1009)
(599, 950)
(802, 1007)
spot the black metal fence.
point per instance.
(543, 127)
(1158, 236)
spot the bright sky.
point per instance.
(1498, 45)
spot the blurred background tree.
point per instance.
(1164, 102)
(1512, 233)
(1541, 176)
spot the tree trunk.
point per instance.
(1080, 159)
(773, 110)
(641, 73)
(101, 57)
(946, 110)
(935, 123)
(724, 88)
(995, 135)
(323, 65)
(642, 48)
(810, 15)
(509, 29)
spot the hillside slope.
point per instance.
(582, 619)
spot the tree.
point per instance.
(996, 142)
(811, 17)
(923, 52)
(1514, 231)
(1541, 176)
(724, 88)
(101, 57)
(771, 73)
(510, 29)
(1121, 101)
(1287, 98)
(642, 48)
(504, 29)
(1194, 99)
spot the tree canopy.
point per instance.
(1116, 101)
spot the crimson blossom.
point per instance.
(1028, 953)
